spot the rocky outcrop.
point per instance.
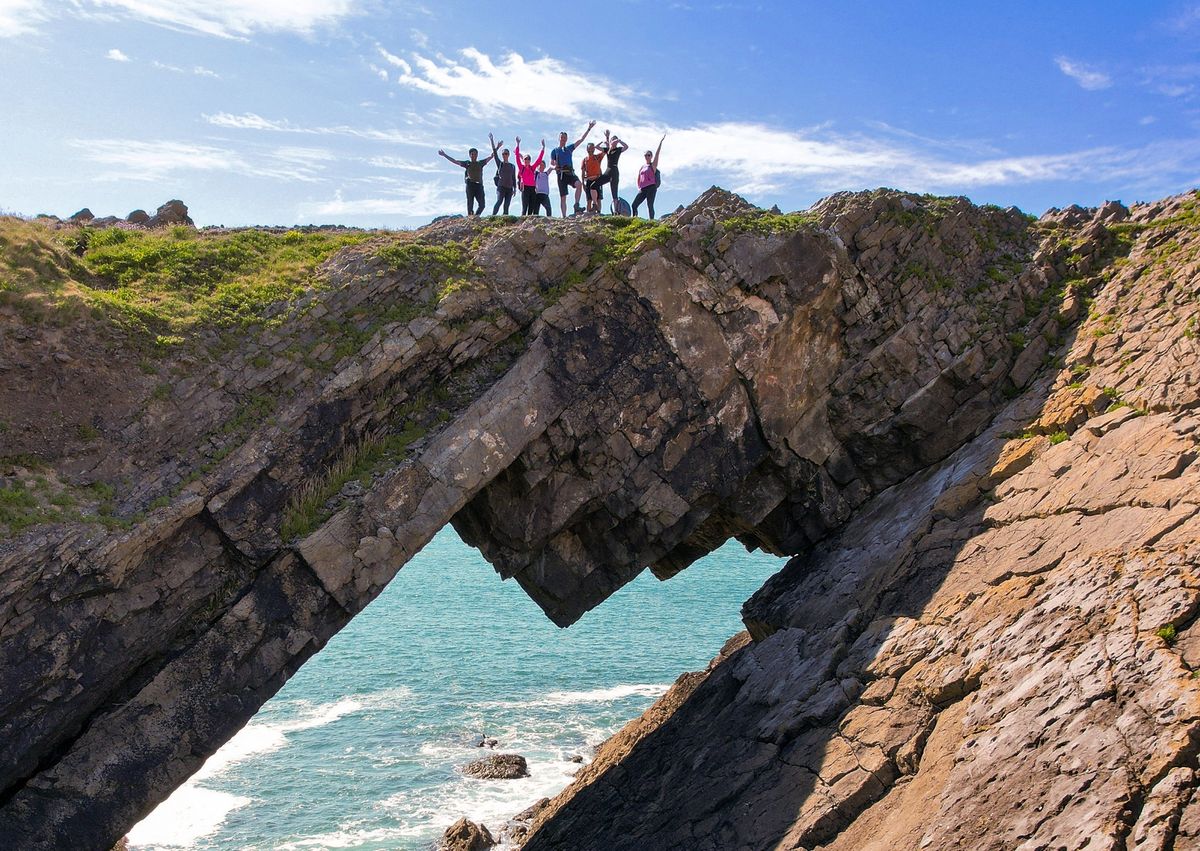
(994, 653)
(465, 835)
(581, 399)
(171, 213)
(500, 766)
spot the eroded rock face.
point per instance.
(995, 653)
(579, 408)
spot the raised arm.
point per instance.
(517, 150)
(458, 163)
(541, 155)
(495, 145)
(658, 150)
(591, 124)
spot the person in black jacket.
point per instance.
(506, 177)
(473, 175)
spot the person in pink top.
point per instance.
(648, 180)
(528, 177)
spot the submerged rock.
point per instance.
(501, 766)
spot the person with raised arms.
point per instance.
(592, 168)
(648, 180)
(473, 175)
(506, 177)
(561, 161)
(529, 179)
(614, 147)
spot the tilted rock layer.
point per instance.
(987, 542)
(995, 653)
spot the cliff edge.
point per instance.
(913, 395)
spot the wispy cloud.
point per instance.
(18, 17)
(403, 164)
(198, 70)
(116, 56)
(141, 160)
(419, 200)
(515, 84)
(252, 121)
(234, 18)
(755, 158)
(223, 18)
(1087, 76)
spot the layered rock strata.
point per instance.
(996, 652)
(580, 404)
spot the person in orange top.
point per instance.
(592, 169)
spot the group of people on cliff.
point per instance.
(532, 177)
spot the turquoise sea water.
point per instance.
(361, 748)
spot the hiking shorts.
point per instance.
(566, 180)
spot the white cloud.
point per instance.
(251, 121)
(18, 17)
(544, 85)
(755, 158)
(393, 59)
(1088, 77)
(420, 200)
(116, 55)
(135, 159)
(224, 18)
(198, 70)
(403, 164)
(234, 18)
(379, 72)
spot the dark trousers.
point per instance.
(646, 195)
(541, 199)
(475, 194)
(613, 178)
(506, 193)
(528, 200)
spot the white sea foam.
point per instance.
(190, 814)
(603, 695)
(194, 812)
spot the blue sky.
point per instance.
(331, 111)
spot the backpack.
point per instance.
(657, 178)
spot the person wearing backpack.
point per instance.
(506, 177)
(649, 179)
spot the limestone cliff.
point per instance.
(991, 508)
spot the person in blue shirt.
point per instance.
(561, 161)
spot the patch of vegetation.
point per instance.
(308, 507)
(443, 260)
(765, 223)
(1058, 437)
(1168, 634)
(160, 286)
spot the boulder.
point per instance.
(171, 213)
(466, 835)
(82, 217)
(105, 222)
(138, 217)
(501, 766)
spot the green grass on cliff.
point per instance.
(159, 285)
